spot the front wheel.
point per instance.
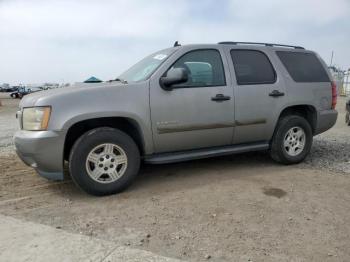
(292, 140)
(104, 161)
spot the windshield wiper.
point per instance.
(119, 80)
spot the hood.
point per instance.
(44, 97)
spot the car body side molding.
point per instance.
(164, 158)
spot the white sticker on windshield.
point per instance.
(160, 56)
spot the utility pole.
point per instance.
(331, 58)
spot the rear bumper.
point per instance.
(325, 120)
(42, 150)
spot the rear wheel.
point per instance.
(292, 140)
(104, 161)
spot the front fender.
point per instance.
(142, 126)
(96, 101)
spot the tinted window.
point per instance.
(252, 67)
(204, 68)
(303, 67)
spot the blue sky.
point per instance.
(70, 40)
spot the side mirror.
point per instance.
(174, 76)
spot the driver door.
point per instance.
(198, 113)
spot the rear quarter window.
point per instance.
(303, 67)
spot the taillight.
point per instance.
(334, 95)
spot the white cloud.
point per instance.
(57, 19)
(51, 40)
(314, 12)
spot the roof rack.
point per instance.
(265, 44)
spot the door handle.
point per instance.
(276, 93)
(220, 97)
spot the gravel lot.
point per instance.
(330, 150)
(235, 208)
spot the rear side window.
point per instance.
(303, 67)
(252, 67)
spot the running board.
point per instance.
(164, 158)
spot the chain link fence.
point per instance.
(342, 80)
(345, 88)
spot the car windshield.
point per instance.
(145, 68)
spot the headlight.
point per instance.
(36, 118)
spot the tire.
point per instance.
(107, 144)
(284, 154)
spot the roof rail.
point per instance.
(255, 43)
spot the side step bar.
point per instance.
(164, 158)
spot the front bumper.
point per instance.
(42, 150)
(325, 120)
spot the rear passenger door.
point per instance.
(259, 94)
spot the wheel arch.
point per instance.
(307, 111)
(125, 124)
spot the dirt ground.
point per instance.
(235, 208)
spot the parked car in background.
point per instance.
(9, 89)
(178, 104)
(22, 91)
(3, 87)
(19, 93)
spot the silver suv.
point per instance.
(178, 104)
